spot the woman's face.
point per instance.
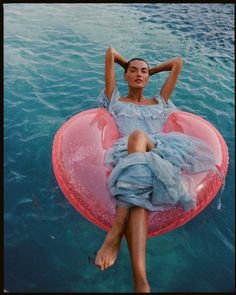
(137, 74)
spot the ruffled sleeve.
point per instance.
(168, 105)
(103, 100)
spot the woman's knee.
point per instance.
(137, 142)
(141, 139)
(137, 136)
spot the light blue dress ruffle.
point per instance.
(153, 180)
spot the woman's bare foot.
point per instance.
(107, 254)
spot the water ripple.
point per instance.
(53, 69)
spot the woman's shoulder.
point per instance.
(104, 101)
(164, 103)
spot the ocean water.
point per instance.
(53, 69)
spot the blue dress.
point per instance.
(153, 180)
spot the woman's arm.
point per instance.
(173, 65)
(111, 57)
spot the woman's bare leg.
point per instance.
(106, 256)
(136, 236)
(137, 224)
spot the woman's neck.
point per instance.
(135, 94)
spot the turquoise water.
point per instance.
(53, 69)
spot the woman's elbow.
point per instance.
(109, 50)
(179, 61)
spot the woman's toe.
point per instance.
(98, 259)
(103, 266)
(107, 264)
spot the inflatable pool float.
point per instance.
(78, 152)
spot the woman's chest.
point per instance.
(133, 118)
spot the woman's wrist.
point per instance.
(122, 63)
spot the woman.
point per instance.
(147, 165)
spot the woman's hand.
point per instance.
(173, 65)
(111, 57)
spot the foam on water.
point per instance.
(53, 69)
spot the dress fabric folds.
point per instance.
(157, 180)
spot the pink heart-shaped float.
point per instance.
(78, 152)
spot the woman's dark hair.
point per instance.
(136, 58)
